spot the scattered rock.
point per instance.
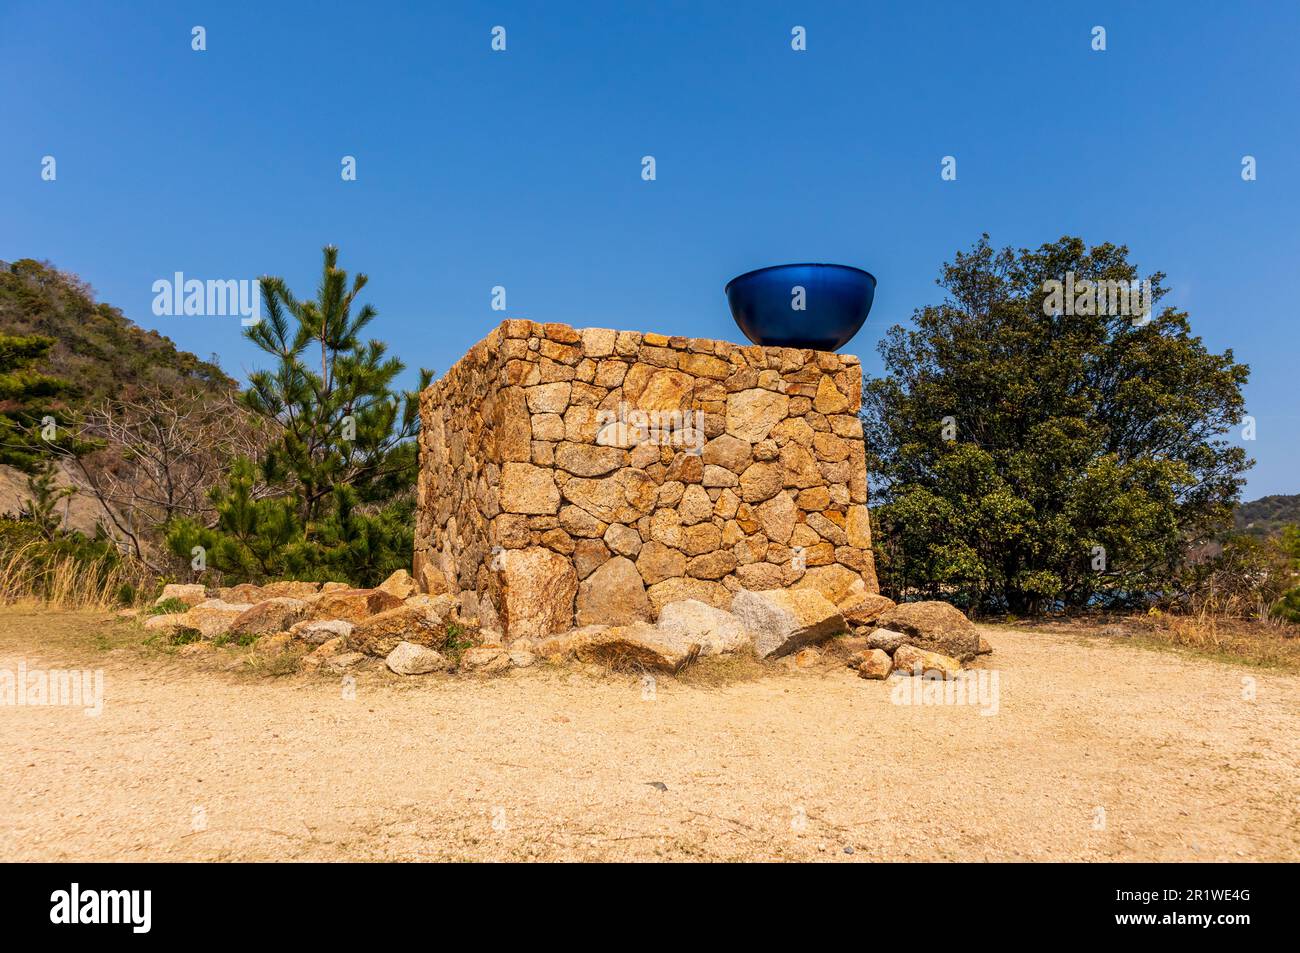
(214, 617)
(635, 647)
(408, 658)
(913, 661)
(863, 608)
(875, 663)
(352, 605)
(399, 584)
(274, 615)
(381, 633)
(714, 630)
(522, 658)
(985, 648)
(320, 631)
(272, 644)
(485, 659)
(783, 621)
(345, 661)
(887, 640)
(168, 623)
(806, 657)
(934, 627)
(189, 594)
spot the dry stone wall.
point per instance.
(572, 477)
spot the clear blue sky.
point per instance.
(522, 168)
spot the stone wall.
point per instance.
(574, 477)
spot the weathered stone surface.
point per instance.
(935, 627)
(784, 621)
(399, 584)
(658, 562)
(321, 631)
(761, 481)
(910, 660)
(834, 582)
(536, 589)
(189, 594)
(693, 622)
(681, 588)
(245, 592)
(290, 589)
(352, 605)
(751, 414)
(214, 617)
(728, 452)
(613, 595)
(634, 648)
(587, 461)
(409, 658)
(379, 634)
(887, 640)
(528, 489)
(863, 608)
(875, 664)
(271, 615)
(778, 517)
(623, 540)
(485, 660)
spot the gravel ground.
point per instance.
(1098, 750)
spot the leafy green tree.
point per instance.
(331, 496)
(1022, 459)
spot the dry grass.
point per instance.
(1266, 643)
(64, 582)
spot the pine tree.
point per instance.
(331, 495)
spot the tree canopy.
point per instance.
(1022, 459)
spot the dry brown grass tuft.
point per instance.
(64, 582)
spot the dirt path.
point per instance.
(193, 763)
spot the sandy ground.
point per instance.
(1099, 750)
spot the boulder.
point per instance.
(874, 663)
(321, 631)
(380, 634)
(272, 644)
(168, 623)
(864, 608)
(913, 661)
(408, 658)
(291, 589)
(214, 617)
(522, 658)
(272, 615)
(399, 584)
(834, 582)
(887, 640)
(934, 627)
(189, 594)
(352, 605)
(535, 590)
(244, 592)
(635, 647)
(782, 621)
(485, 660)
(613, 595)
(344, 661)
(714, 630)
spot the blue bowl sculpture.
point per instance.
(836, 300)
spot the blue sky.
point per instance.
(522, 168)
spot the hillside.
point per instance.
(1267, 515)
(97, 348)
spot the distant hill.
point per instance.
(97, 348)
(1267, 515)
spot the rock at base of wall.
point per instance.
(935, 627)
(910, 660)
(693, 622)
(407, 658)
(784, 621)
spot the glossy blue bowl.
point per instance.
(836, 300)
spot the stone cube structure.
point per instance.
(572, 477)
